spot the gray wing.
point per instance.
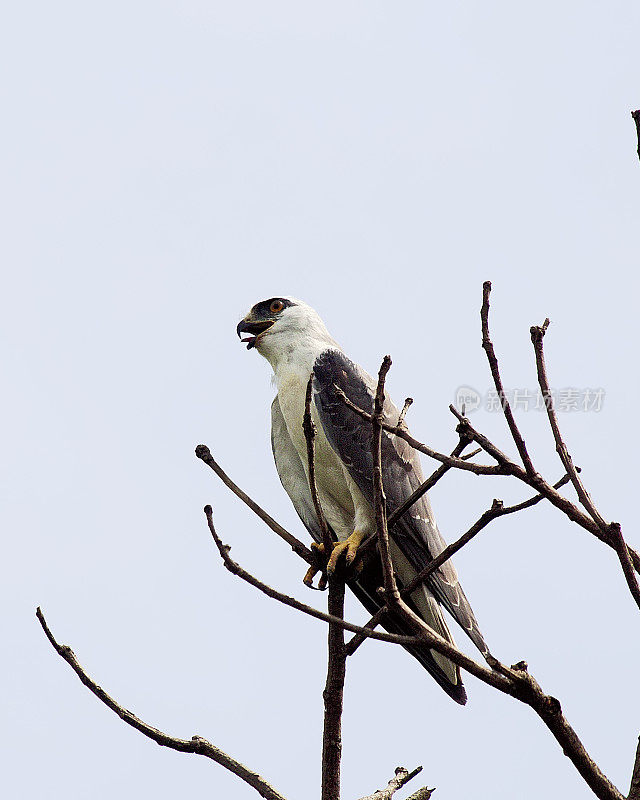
(415, 533)
(365, 586)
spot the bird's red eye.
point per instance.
(276, 307)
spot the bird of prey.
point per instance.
(295, 341)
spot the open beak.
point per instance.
(254, 328)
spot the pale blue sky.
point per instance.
(165, 166)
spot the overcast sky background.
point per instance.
(165, 166)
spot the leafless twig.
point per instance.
(497, 510)
(487, 344)
(636, 119)
(523, 686)
(429, 483)
(407, 404)
(537, 339)
(424, 487)
(504, 467)
(379, 501)
(425, 635)
(539, 484)
(451, 461)
(204, 454)
(196, 744)
(235, 569)
(514, 681)
(402, 777)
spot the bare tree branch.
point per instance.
(379, 500)
(451, 461)
(354, 643)
(426, 635)
(504, 467)
(235, 569)
(407, 404)
(333, 694)
(429, 483)
(204, 454)
(514, 681)
(402, 777)
(523, 686)
(519, 684)
(487, 344)
(473, 453)
(497, 510)
(538, 483)
(196, 744)
(537, 339)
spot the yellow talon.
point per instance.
(349, 547)
(313, 570)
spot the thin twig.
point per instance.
(625, 560)
(636, 119)
(497, 510)
(522, 686)
(379, 500)
(540, 485)
(354, 643)
(505, 464)
(487, 344)
(537, 339)
(204, 454)
(196, 744)
(426, 636)
(235, 569)
(400, 779)
(424, 487)
(427, 485)
(504, 467)
(333, 694)
(458, 463)
(407, 403)
(473, 453)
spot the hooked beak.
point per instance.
(255, 328)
